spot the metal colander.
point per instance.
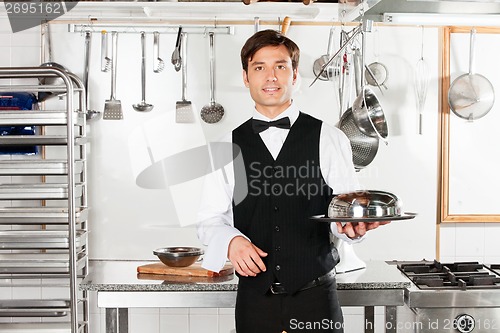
(364, 147)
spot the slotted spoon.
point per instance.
(212, 112)
(159, 64)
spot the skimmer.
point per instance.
(212, 112)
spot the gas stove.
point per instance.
(458, 275)
(461, 297)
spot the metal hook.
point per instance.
(85, 27)
(361, 9)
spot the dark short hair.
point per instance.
(268, 38)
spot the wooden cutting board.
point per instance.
(193, 270)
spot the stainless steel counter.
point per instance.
(119, 287)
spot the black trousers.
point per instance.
(315, 310)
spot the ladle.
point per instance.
(212, 112)
(143, 106)
(91, 114)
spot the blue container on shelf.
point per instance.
(17, 101)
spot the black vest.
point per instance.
(282, 195)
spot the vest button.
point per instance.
(276, 208)
(276, 228)
(278, 267)
(276, 189)
(278, 248)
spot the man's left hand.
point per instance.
(355, 230)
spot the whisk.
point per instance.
(159, 63)
(421, 84)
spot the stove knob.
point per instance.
(465, 323)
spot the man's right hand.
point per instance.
(246, 257)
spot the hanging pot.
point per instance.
(471, 96)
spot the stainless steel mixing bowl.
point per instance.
(178, 256)
(365, 204)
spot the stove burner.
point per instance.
(458, 275)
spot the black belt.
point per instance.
(277, 288)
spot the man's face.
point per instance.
(270, 78)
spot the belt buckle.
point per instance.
(277, 288)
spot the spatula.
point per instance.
(112, 106)
(184, 109)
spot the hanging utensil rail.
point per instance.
(150, 29)
(356, 31)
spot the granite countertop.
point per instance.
(121, 275)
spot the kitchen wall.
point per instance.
(129, 221)
(145, 219)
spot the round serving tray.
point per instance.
(404, 216)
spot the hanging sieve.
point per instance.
(471, 96)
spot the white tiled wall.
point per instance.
(470, 242)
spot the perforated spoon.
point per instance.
(159, 64)
(212, 112)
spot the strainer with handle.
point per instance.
(471, 96)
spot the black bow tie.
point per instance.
(261, 125)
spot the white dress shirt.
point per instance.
(215, 217)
